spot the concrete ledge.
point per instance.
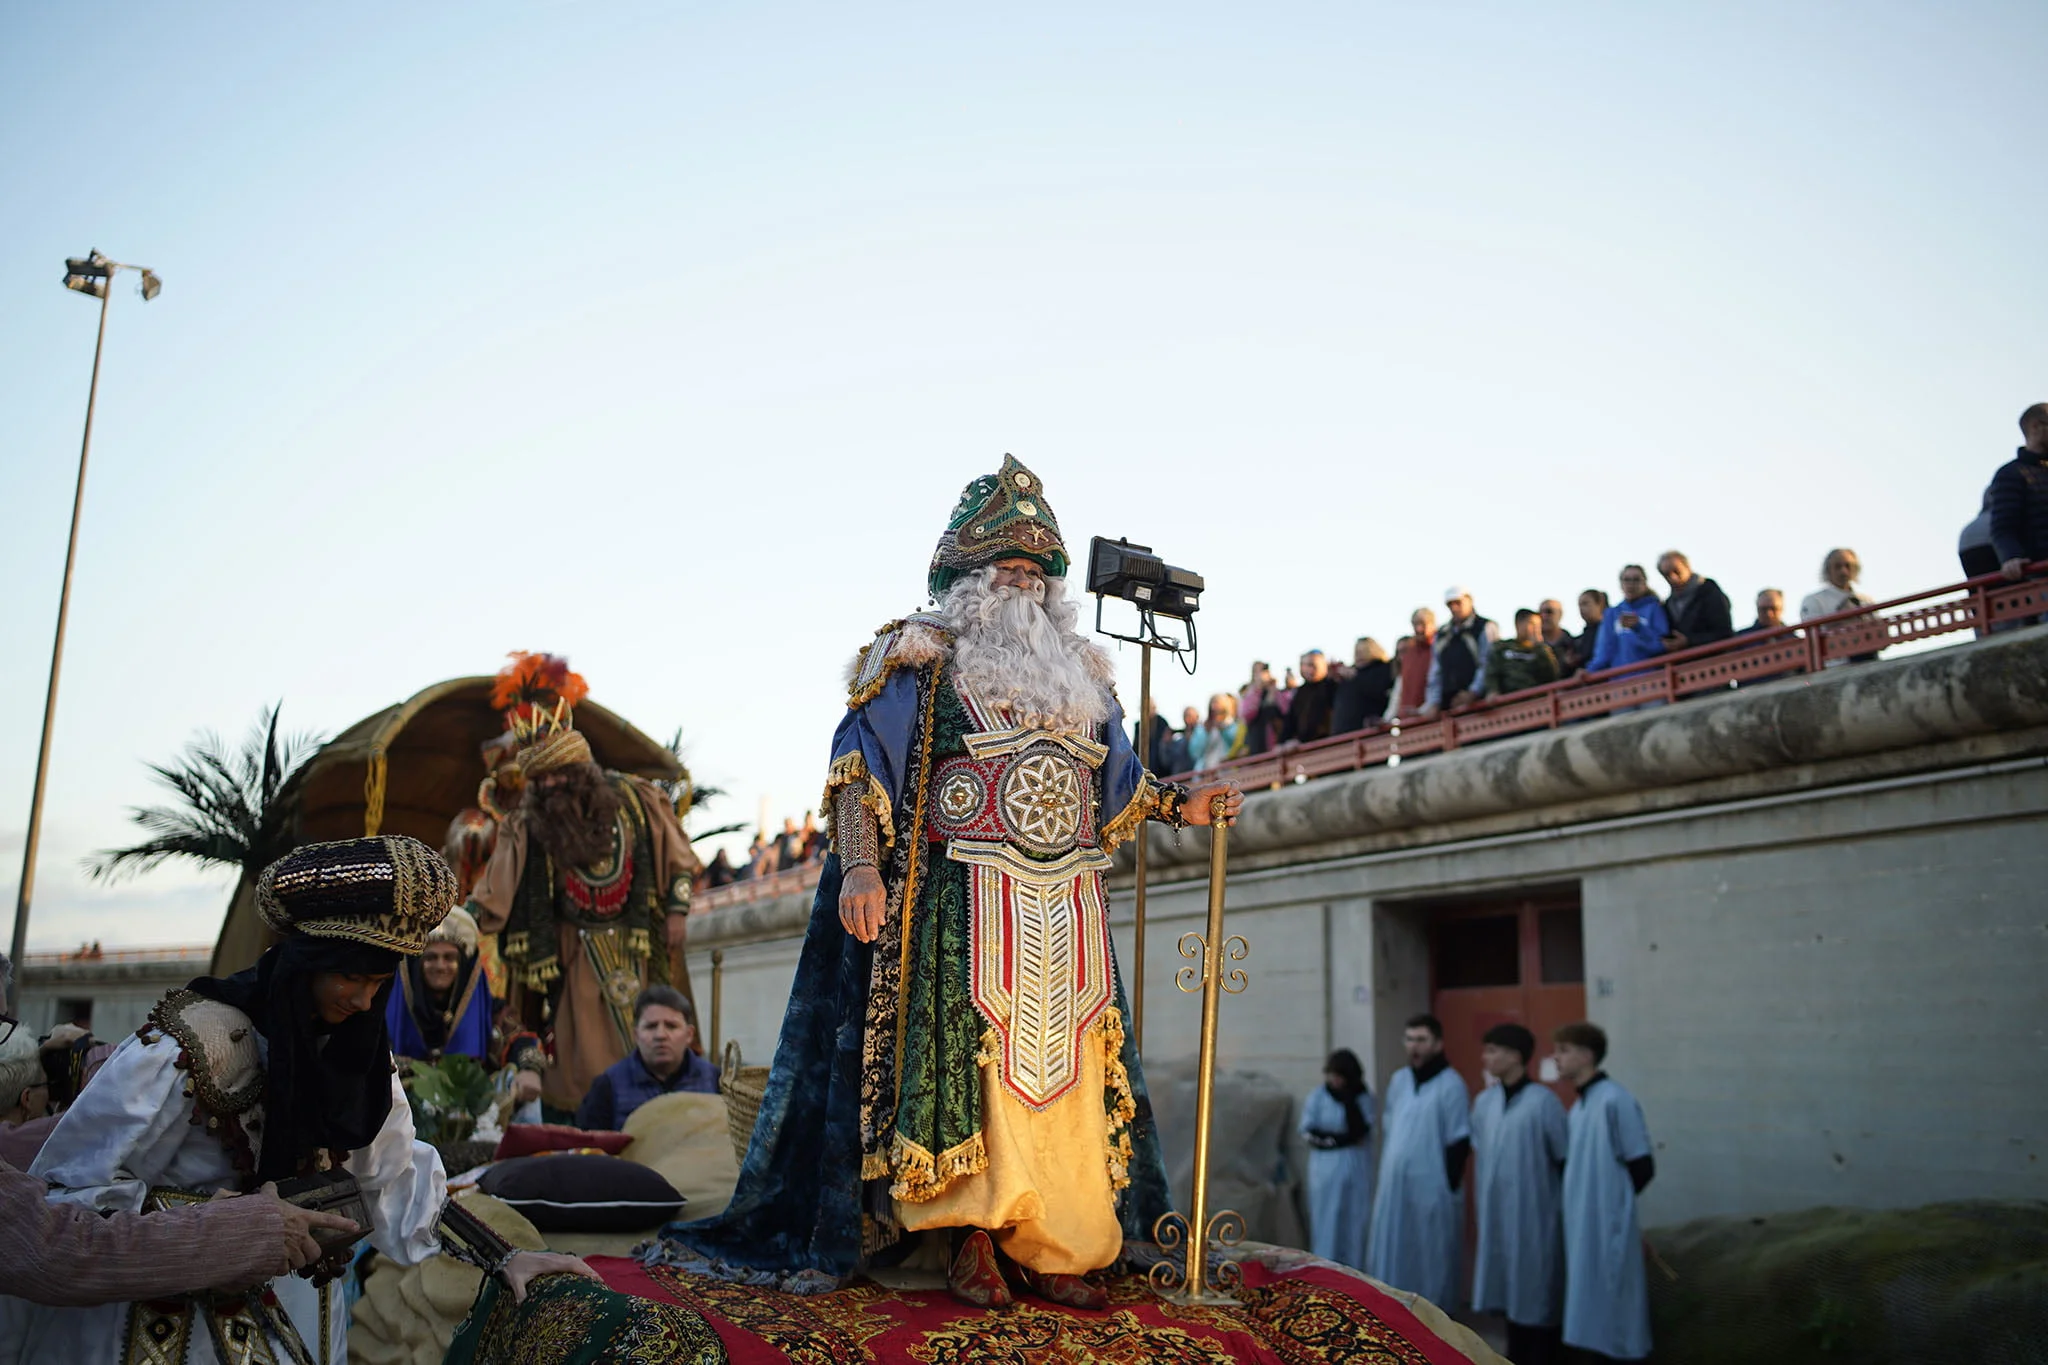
(1997, 687)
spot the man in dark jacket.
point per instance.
(1308, 716)
(2019, 499)
(1362, 693)
(1698, 609)
(1457, 670)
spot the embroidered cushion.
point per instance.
(526, 1139)
(573, 1193)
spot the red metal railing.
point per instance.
(1975, 605)
(784, 883)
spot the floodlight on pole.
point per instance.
(91, 275)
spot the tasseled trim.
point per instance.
(541, 975)
(920, 1176)
(849, 770)
(991, 1050)
(874, 1166)
(514, 949)
(1120, 1107)
(1144, 804)
(639, 944)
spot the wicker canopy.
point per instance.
(409, 769)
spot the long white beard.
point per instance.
(1017, 647)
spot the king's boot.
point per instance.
(976, 1275)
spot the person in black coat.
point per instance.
(1362, 693)
(1699, 610)
(2018, 497)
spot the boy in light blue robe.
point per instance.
(1417, 1221)
(1518, 1151)
(1608, 1162)
(1336, 1122)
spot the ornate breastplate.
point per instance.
(1019, 809)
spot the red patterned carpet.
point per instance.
(1304, 1316)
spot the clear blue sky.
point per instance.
(664, 335)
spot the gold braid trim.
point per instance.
(849, 770)
(1110, 1024)
(920, 1176)
(1143, 806)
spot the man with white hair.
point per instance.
(954, 1060)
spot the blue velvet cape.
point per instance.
(798, 1206)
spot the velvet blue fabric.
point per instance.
(798, 1203)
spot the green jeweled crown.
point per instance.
(1000, 516)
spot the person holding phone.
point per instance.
(1634, 628)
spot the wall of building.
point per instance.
(1820, 964)
(122, 991)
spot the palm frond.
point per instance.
(225, 802)
(714, 833)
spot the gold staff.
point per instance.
(1190, 1282)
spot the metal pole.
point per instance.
(717, 997)
(1138, 900)
(35, 805)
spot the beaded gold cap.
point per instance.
(389, 890)
(1000, 516)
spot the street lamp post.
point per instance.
(90, 274)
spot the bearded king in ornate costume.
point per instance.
(954, 1055)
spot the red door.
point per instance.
(1505, 961)
(1519, 961)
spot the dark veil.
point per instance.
(326, 1085)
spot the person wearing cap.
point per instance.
(277, 1072)
(1457, 667)
(954, 1063)
(1518, 1150)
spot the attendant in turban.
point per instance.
(442, 1001)
(277, 1072)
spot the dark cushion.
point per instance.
(575, 1193)
(525, 1139)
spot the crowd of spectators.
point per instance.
(1464, 658)
(799, 843)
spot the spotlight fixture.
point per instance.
(1132, 573)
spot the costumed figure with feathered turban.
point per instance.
(588, 884)
(954, 1060)
(278, 1072)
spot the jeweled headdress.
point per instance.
(537, 693)
(388, 890)
(1000, 516)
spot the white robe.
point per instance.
(131, 1129)
(1607, 1294)
(1517, 1150)
(1339, 1182)
(1417, 1223)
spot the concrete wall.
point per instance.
(122, 992)
(1821, 963)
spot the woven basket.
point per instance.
(742, 1087)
